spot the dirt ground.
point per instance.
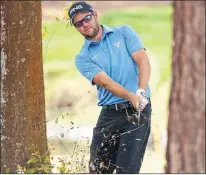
(53, 8)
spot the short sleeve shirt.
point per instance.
(112, 54)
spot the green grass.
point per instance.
(63, 42)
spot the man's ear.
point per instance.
(95, 13)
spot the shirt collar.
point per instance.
(106, 30)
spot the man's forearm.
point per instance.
(117, 90)
(102, 79)
(142, 60)
(144, 74)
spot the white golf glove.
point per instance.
(143, 100)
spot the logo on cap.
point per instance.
(75, 8)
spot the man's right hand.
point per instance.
(135, 101)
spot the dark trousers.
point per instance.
(119, 142)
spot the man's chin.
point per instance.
(89, 36)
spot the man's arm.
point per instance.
(96, 76)
(136, 49)
(103, 80)
(142, 60)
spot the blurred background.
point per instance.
(71, 102)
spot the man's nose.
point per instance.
(85, 24)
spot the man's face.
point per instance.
(87, 24)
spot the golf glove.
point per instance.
(143, 100)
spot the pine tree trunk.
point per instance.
(186, 126)
(22, 85)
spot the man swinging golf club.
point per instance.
(114, 59)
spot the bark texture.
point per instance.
(22, 84)
(186, 126)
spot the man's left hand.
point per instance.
(142, 98)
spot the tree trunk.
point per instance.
(186, 126)
(22, 86)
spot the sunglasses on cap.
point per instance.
(85, 19)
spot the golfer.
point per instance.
(115, 61)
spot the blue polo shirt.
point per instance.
(112, 54)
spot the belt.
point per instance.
(120, 106)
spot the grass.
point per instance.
(61, 46)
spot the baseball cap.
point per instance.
(79, 7)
